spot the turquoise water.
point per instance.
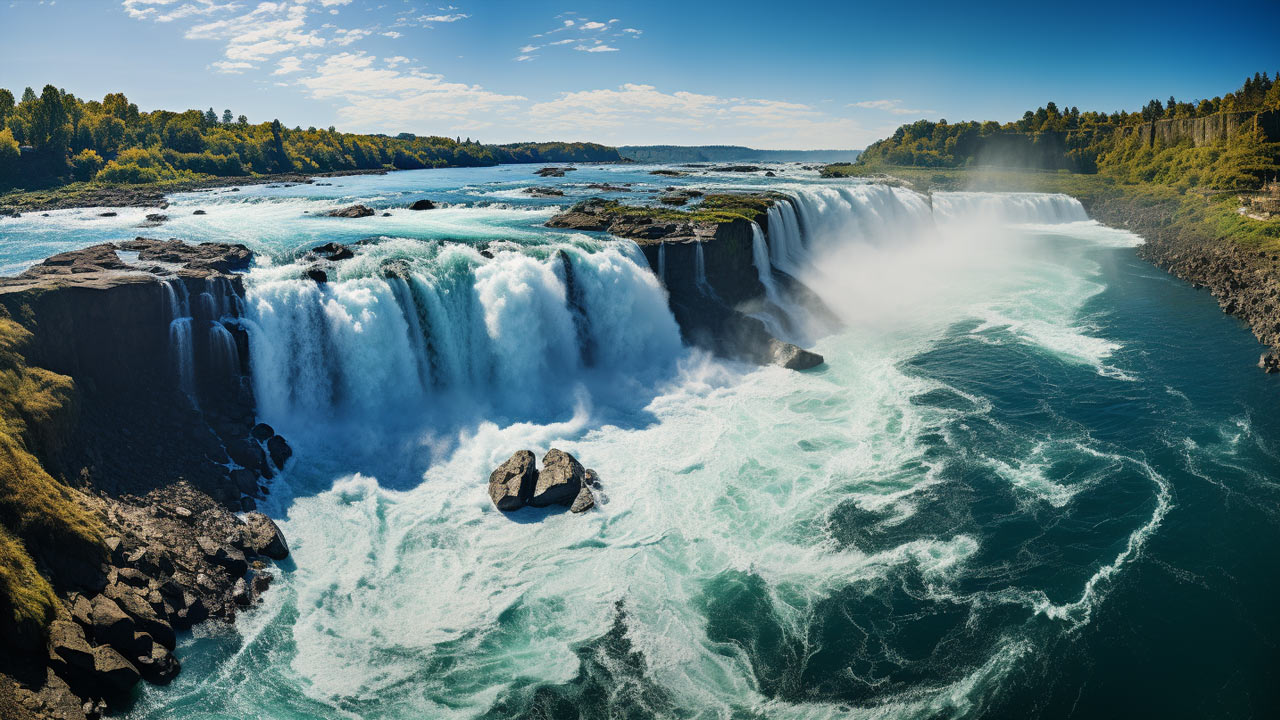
(1034, 479)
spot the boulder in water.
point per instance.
(422, 205)
(512, 485)
(333, 251)
(199, 212)
(355, 211)
(262, 432)
(559, 480)
(317, 273)
(279, 451)
(792, 357)
(584, 501)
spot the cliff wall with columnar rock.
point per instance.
(131, 442)
(1207, 130)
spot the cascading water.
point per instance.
(181, 346)
(512, 334)
(700, 271)
(662, 263)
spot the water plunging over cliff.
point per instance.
(448, 326)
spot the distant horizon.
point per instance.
(818, 76)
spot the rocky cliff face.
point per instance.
(707, 268)
(157, 441)
(1209, 129)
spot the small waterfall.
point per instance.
(1041, 208)
(662, 262)
(700, 271)
(760, 256)
(224, 355)
(786, 241)
(181, 345)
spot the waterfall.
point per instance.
(786, 242)
(181, 346)
(1038, 208)
(224, 355)
(662, 262)
(514, 334)
(700, 271)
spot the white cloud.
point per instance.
(346, 37)
(288, 65)
(594, 26)
(596, 48)
(392, 100)
(529, 48)
(232, 68)
(892, 106)
(525, 58)
(633, 31)
(391, 34)
(455, 17)
(269, 29)
(566, 41)
(149, 9)
(396, 61)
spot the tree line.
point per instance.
(56, 137)
(1054, 138)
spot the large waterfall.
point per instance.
(512, 334)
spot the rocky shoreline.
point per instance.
(1245, 281)
(157, 442)
(147, 195)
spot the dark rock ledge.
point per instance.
(708, 313)
(162, 465)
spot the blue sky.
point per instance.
(766, 74)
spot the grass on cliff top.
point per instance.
(35, 509)
(1181, 209)
(714, 207)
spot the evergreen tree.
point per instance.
(6, 106)
(226, 116)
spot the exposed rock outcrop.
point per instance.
(558, 481)
(355, 211)
(561, 481)
(423, 204)
(146, 445)
(512, 483)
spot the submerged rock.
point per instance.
(355, 211)
(512, 485)
(559, 480)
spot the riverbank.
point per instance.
(92, 194)
(1200, 237)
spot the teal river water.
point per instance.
(1035, 478)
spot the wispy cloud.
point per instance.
(586, 36)
(288, 65)
(596, 48)
(891, 106)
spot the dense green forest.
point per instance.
(1055, 138)
(56, 137)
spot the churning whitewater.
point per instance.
(987, 475)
